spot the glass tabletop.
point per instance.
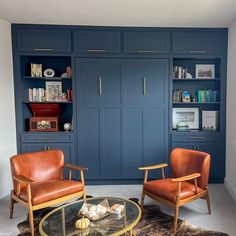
(61, 221)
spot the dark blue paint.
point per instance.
(122, 129)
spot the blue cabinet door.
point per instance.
(146, 42)
(111, 142)
(144, 141)
(145, 114)
(89, 141)
(132, 143)
(44, 40)
(99, 81)
(145, 82)
(154, 138)
(97, 42)
(198, 42)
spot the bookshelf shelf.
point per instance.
(195, 103)
(46, 78)
(56, 102)
(196, 79)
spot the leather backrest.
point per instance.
(38, 166)
(185, 162)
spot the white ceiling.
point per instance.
(164, 13)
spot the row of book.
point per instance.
(37, 94)
(40, 95)
(205, 95)
(180, 72)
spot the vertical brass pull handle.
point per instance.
(144, 86)
(100, 85)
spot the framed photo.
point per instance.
(36, 70)
(205, 71)
(53, 90)
(185, 116)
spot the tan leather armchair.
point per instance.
(38, 181)
(190, 171)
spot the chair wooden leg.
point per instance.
(208, 202)
(176, 219)
(142, 200)
(12, 202)
(84, 195)
(31, 219)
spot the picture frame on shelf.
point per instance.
(53, 90)
(210, 120)
(185, 116)
(36, 70)
(205, 71)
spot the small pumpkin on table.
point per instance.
(82, 223)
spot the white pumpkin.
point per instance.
(82, 223)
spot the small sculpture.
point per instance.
(67, 127)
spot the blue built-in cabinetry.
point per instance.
(198, 42)
(147, 42)
(121, 94)
(43, 40)
(96, 42)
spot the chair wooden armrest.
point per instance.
(74, 167)
(153, 167)
(147, 168)
(187, 177)
(79, 168)
(22, 179)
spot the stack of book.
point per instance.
(36, 94)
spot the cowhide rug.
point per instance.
(153, 223)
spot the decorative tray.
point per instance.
(95, 212)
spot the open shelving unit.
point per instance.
(58, 64)
(192, 85)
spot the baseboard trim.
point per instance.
(230, 190)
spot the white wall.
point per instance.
(7, 113)
(230, 180)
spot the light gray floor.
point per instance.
(223, 217)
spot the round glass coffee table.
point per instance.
(61, 221)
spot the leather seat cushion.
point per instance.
(52, 189)
(168, 190)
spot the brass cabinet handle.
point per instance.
(196, 137)
(144, 86)
(197, 51)
(100, 85)
(46, 138)
(96, 50)
(146, 51)
(43, 49)
(45, 148)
